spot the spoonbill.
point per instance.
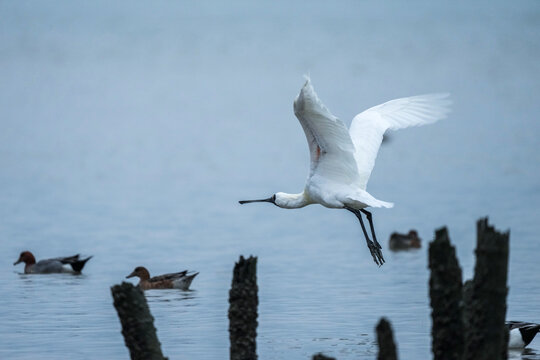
(342, 161)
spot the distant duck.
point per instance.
(405, 241)
(180, 280)
(50, 266)
(521, 333)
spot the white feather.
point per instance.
(515, 340)
(368, 127)
(330, 146)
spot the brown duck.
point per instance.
(180, 280)
(405, 241)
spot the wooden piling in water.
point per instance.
(485, 297)
(447, 341)
(243, 302)
(137, 322)
(321, 356)
(385, 339)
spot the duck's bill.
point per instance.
(130, 275)
(17, 262)
(270, 200)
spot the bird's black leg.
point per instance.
(374, 248)
(368, 215)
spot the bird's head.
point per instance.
(26, 257)
(141, 272)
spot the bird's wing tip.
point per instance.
(307, 84)
(444, 103)
(305, 91)
(443, 99)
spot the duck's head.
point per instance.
(141, 272)
(415, 241)
(26, 257)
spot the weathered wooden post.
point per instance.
(447, 340)
(385, 339)
(485, 296)
(243, 302)
(321, 356)
(137, 322)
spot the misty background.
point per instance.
(129, 131)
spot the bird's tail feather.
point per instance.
(386, 204)
(364, 198)
(78, 265)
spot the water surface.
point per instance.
(129, 132)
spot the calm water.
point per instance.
(129, 132)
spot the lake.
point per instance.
(130, 130)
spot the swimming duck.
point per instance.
(405, 241)
(49, 266)
(180, 280)
(521, 333)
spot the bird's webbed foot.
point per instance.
(375, 250)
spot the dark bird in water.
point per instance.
(521, 333)
(50, 266)
(405, 241)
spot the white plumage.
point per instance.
(341, 160)
(368, 127)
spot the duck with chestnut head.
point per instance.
(51, 266)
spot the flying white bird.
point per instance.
(341, 160)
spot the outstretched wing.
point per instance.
(368, 127)
(330, 146)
